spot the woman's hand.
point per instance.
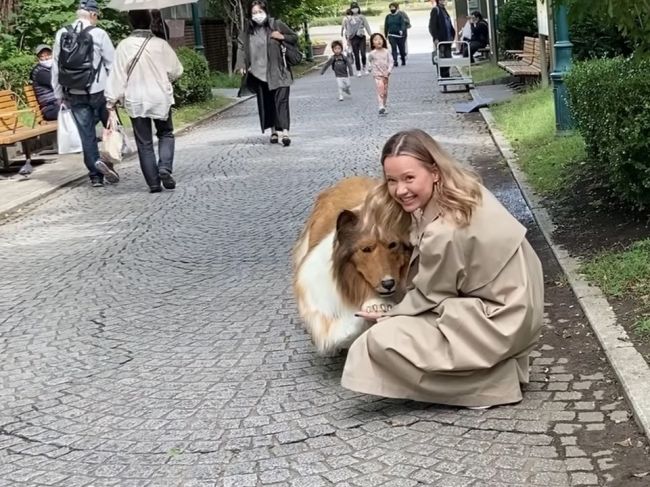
(369, 316)
(241, 71)
(279, 36)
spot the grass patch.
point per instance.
(528, 121)
(623, 273)
(223, 80)
(487, 72)
(642, 327)
(189, 113)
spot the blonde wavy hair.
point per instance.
(457, 193)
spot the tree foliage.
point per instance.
(518, 19)
(630, 17)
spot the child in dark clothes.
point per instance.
(342, 67)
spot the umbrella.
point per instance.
(146, 4)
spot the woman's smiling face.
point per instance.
(409, 182)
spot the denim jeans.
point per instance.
(87, 110)
(144, 141)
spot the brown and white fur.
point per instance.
(343, 260)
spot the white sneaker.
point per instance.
(340, 98)
(358, 74)
(366, 72)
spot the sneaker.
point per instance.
(106, 168)
(382, 110)
(96, 182)
(359, 74)
(155, 189)
(366, 72)
(340, 97)
(167, 180)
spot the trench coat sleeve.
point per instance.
(441, 265)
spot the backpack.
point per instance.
(76, 54)
(290, 52)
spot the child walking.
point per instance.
(342, 67)
(381, 66)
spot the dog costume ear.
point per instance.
(346, 219)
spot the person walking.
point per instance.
(395, 31)
(141, 81)
(341, 64)
(261, 60)
(441, 29)
(355, 29)
(79, 83)
(407, 22)
(41, 78)
(380, 67)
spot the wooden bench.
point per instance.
(12, 128)
(527, 67)
(526, 51)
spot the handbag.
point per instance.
(68, 140)
(291, 55)
(112, 140)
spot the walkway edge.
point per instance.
(8, 209)
(632, 370)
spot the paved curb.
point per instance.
(632, 370)
(9, 209)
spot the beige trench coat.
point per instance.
(472, 313)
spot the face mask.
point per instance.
(259, 18)
(46, 62)
(355, 10)
(393, 10)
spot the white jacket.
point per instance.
(148, 92)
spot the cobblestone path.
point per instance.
(152, 340)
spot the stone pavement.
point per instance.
(152, 340)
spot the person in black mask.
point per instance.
(395, 31)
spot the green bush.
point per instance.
(518, 19)
(594, 36)
(14, 72)
(610, 102)
(194, 85)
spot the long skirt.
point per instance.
(272, 105)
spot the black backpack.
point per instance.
(76, 69)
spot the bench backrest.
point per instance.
(536, 60)
(9, 120)
(32, 103)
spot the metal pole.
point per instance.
(563, 50)
(196, 22)
(493, 32)
(309, 55)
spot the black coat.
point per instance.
(41, 77)
(277, 75)
(480, 33)
(437, 27)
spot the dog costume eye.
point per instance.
(392, 245)
(366, 250)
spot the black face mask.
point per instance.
(393, 10)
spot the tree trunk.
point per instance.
(229, 46)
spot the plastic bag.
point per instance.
(68, 140)
(112, 141)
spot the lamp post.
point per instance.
(562, 48)
(196, 23)
(309, 55)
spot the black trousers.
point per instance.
(397, 44)
(445, 52)
(143, 133)
(359, 51)
(272, 105)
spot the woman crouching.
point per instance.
(473, 310)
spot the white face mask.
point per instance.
(46, 62)
(259, 17)
(355, 10)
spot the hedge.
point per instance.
(610, 103)
(194, 86)
(14, 72)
